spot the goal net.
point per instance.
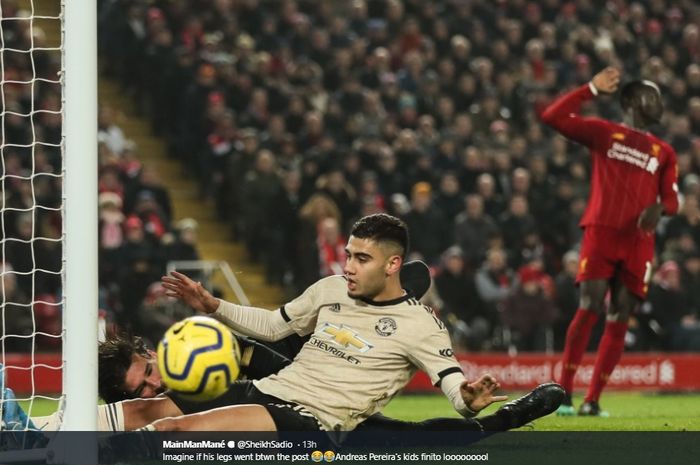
(48, 212)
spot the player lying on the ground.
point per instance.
(367, 338)
(128, 370)
(633, 183)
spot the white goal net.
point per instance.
(39, 295)
(32, 207)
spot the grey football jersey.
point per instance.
(360, 353)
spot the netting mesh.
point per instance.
(31, 209)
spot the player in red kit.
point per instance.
(633, 182)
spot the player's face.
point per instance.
(366, 268)
(650, 105)
(143, 377)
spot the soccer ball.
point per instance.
(199, 358)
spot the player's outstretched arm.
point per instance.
(190, 292)
(480, 394)
(564, 114)
(255, 322)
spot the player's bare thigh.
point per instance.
(593, 294)
(623, 302)
(233, 418)
(141, 412)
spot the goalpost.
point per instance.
(25, 103)
(79, 33)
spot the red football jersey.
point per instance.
(631, 169)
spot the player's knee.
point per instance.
(593, 303)
(618, 314)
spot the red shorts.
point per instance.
(608, 252)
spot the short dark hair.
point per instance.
(631, 89)
(114, 359)
(381, 227)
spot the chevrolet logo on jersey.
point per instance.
(618, 136)
(343, 336)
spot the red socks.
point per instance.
(577, 337)
(609, 352)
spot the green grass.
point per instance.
(628, 412)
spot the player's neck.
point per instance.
(633, 121)
(392, 291)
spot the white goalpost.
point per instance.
(80, 214)
(28, 98)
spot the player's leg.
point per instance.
(126, 415)
(142, 445)
(539, 402)
(591, 305)
(612, 344)
(136, 413)
(232, 418)
(383, 423)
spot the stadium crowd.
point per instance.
(136, 235)
(297, 117)
(31, 187)
(300, 116)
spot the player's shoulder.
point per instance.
(665, 146)
(659, 146)
(421, 316)
(331, 283)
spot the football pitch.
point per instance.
(628, 412)
(642, 428)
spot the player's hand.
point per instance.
(190, 292)
(650, 218)
(607, 80)
(480, 394)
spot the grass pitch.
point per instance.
(642, 428)
(628, 412)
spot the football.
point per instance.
(198, 358)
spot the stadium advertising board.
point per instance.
(649, 371)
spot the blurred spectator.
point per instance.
(486, 188)
(331, 247)
(182, 243)
(567, 297)
(529, 312)
(140, 265)
(449, 199)
(670, 325)
(690, 281)
(284, 232)
(461, 306)
(260, 186)
(17, 307)
(108, 132)
(427, 223)
(473, 228)
(494, 283)
(335, 186)
(516, 222)
(318, 208)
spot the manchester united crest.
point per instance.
(385, 326)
